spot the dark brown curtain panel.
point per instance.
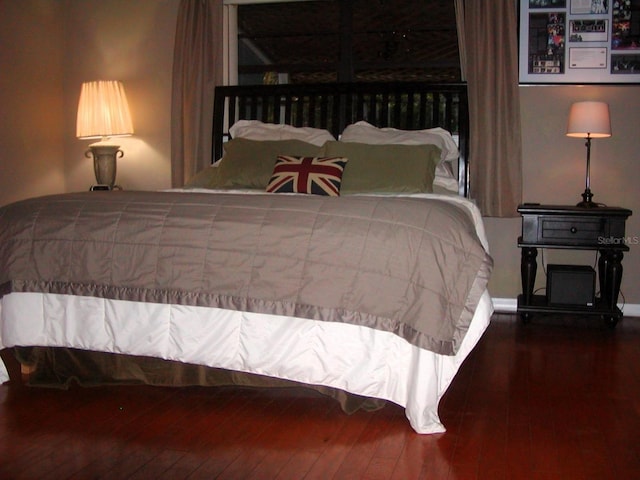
(489, 43)
(197, 69)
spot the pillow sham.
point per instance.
(364, 132)
(257, 130)
(445, 178)
(386, 168)
(249, 163)
(312, 175)
(205, 178)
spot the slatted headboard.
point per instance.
(403, 105)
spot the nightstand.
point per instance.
(574, 228)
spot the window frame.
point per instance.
(230, 35)
(345, 67)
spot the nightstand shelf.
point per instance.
(574, 228)
(540, 304)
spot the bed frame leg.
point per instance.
(26, 371)
(18, 373)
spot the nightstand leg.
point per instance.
(528, 269)
(610, 276)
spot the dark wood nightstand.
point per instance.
(574, 228)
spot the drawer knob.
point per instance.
(573, 230)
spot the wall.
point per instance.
(132, 40)
(47, 49)
(31, 123)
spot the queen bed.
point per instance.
(330, 245)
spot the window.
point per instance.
(347, 40)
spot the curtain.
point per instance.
(197, 69)
(491, 67)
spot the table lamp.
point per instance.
(589, 120)
(103, 112)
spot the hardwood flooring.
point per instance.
(557, 398)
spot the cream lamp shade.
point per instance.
(589, 120)
(103, 112)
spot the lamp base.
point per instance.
(104, 162)
(586, 200)
(100, 188)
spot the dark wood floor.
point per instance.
(557, 398)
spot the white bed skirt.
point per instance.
(356, 359)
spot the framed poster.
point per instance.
(579, 41)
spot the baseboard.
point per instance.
(505, 305)
(510, 305)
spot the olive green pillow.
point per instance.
(386, 168)
(205, 178)
(249, 163)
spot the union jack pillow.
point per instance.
(315, 175)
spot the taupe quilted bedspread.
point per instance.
(409, 266)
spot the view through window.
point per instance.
(347, 40)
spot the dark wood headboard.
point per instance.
(333, 106)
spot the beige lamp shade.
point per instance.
(589, 119)
(103, 110)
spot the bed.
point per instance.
(330, 245)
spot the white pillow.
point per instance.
(445, 177)
(363, 132)
(257, 130)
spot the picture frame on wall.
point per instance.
(589, 7)
(579, 41)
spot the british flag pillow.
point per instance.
(313, 175)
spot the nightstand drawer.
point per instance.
(572, 229)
